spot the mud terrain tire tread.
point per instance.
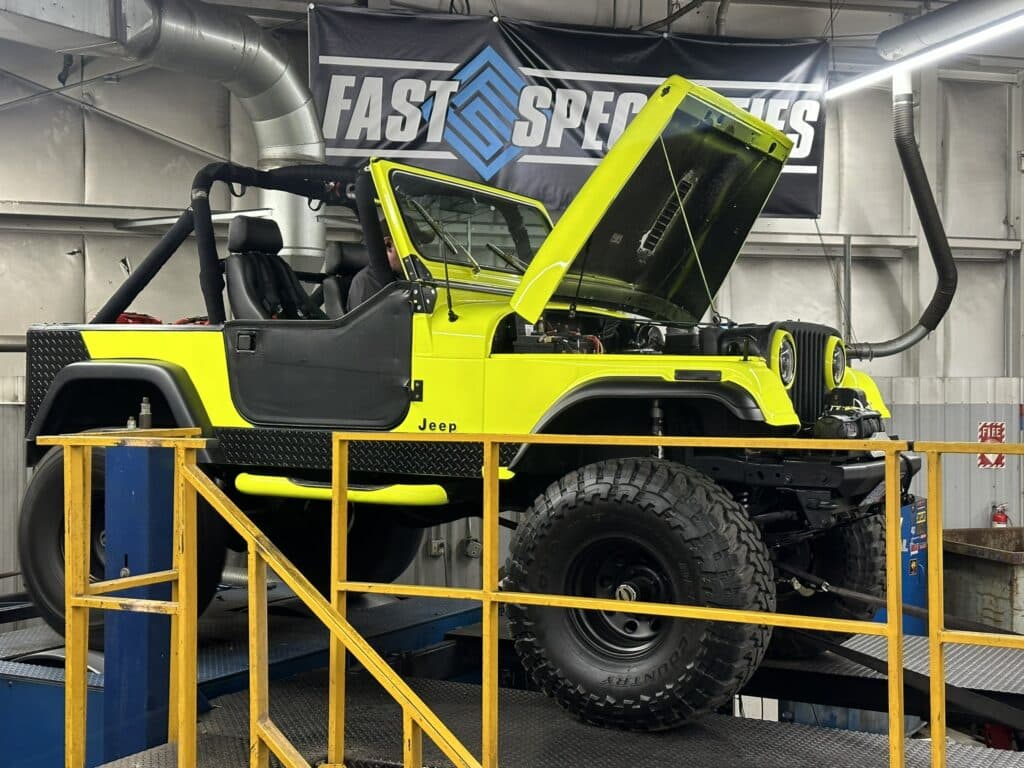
(736, 572)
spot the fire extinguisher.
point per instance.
(999, 517)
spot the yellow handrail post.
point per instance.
(361, 650)
(489, 718)
(339, 600)
(77, 513)
(175, 649)
(412, 741)
(936, 613)
(894, 606)
(185, 558)
(259, 686)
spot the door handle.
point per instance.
(245, 341)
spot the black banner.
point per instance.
(533, 107)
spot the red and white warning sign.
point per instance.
(992, 432)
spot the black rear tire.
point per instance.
(851, 556)
(380, 547)
(639, 529)
(41, 542)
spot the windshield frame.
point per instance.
(485, 273)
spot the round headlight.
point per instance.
(783, 357)
(835, 362)
(787, 362)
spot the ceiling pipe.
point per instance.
(943, 25)
(226, 46)
(211, 42)
(720, 16)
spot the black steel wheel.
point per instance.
(851, 556)
(621, 569)
(639, 530)
(41, 542)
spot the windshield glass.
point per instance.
(468, 226)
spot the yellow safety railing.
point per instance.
(491, 598)
(81, 596)
(418, 718)
(938, 635)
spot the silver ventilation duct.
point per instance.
(215, 43)
(942, 25)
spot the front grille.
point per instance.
(808, 392)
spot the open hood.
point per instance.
(691, 170)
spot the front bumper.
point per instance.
(849, 479)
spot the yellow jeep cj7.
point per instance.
(503, 323)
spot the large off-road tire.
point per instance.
(851, 556)
(640, 529)
(41, 542)
(380, 547)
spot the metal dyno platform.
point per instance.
(32, 694)
(535, 733)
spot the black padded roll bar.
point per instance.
(373, 235)
(315, 182)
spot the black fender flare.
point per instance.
(733, 397)
(170, 379)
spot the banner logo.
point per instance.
(497, 113)
(483, 113)
(490, 115)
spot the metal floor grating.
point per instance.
(978, 668)
(38, 638)
(535, 733)
(298, 641)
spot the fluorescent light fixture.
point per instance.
(928, 56)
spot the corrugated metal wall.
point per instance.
(12, 475)
(952, 409)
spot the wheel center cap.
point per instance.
(627, 592)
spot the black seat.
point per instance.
(341, 261)
(261, 285)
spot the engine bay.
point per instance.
(565, 332)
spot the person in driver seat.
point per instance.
(373, 277)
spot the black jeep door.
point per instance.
(350, 372)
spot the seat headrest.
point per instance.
(247, 234)
(345, 258)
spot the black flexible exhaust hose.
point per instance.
(934, 233)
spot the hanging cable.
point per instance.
(667, 21)
(689, 233)
(833, 14)
(843, 300)
(57, 91)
